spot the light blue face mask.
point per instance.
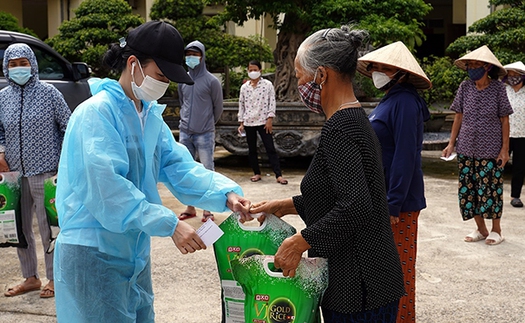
(193, 61)
(20, 75)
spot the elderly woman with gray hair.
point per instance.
(343, 196)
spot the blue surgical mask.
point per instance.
(20, 75)
(193, 61)
(476, 74)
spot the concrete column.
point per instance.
(476, 9)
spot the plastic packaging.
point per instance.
(272, 298)
(241, 241)
(11, 234)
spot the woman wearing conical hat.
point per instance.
(398, 123)
(480, 133)
(514, 82)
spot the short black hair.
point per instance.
(256, 63)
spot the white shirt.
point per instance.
(517, 119)
(256, 104)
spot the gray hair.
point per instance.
(335, 48)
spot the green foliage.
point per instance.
(236, 79)
(502, 31)
(177, 9)
(445, 77)
(387, 21)
(222, 50)
(10, 23)
(364, 88)
(97, 23)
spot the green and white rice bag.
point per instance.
(50, 188)
(11, 234)
(273, 298)
(240, 241)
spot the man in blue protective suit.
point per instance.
(201, 108)
(116, 149)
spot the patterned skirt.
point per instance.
(480, 190)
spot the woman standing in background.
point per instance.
(481, 127)
(398, 122)
(516, 93)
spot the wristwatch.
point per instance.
(2, 149)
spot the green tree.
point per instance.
(222, 49)
(10, 23)
(97, 23)
(503, 31)
(446, 78)
(387, 21)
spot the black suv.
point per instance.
(68, 78)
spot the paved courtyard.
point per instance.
(457, 282)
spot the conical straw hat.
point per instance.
(482, 54)
(517, 67)
(397, 55)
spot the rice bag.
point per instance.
(240, 241)
(11, 234)
(273, 298)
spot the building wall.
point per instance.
(476, 9)
(459, 12)
(14, 7)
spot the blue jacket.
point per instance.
(107, 193)
(201, 103)
(33, 119)
(398, 123)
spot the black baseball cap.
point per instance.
(163, 43)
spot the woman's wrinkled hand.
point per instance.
(3, 164)
(267, 207)
(503, 158)
(289, 254)
(394, 219)
(447, 151)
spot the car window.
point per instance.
(49, 67)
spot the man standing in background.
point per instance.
(201, 108)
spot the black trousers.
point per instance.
(517, 147)
(267, 139)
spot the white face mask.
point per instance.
(150, 89)
(380, 79)
(254, 75)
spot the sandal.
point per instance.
(255, 178)
(205, 217)
(516, 202)
(20, 289)
(474, 236)
(281, 181)
(494, 238)
(183, 216)
(47, 292)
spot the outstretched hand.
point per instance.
(239, 204)
(268, 207)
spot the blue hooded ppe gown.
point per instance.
(109, 206)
